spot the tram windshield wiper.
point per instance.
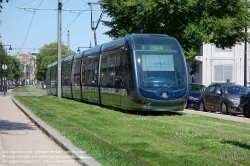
(178, 80)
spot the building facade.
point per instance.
(28, 63)
(217, 65)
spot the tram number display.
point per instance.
(154, 47)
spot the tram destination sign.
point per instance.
(157, 47)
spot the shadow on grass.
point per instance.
(153, 113)
(237, 143)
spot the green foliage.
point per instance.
(191, 22)
(2, 1)
(47, 55)
(14, 68)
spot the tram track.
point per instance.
(125, 125)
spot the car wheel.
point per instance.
(202, 106)
(246, 111)
(224, 109)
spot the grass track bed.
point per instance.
(182, 139)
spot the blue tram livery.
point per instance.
(140, 72)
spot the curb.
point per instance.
(76, 153)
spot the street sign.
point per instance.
(4, 66)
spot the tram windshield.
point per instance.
(160, 63)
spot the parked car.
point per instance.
(244, 105)
(11, 86)
(223, 98)
(195, 91)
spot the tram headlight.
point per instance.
(164, 94)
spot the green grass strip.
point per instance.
(183, 139)
(115, 138)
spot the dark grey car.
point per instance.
(223, 98)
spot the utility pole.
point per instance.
(59, 64)
(245, 60)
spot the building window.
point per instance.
(222, 73)
(217, 49)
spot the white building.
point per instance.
(217, 65)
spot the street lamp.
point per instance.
(78, 50)
(1, 65)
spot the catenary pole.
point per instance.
(1, 71)
(59, 64)
(245, 61)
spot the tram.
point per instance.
(139, 72)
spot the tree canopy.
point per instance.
(14, 68)
(191, 22)
(47, 55)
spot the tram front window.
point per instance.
(158, 70)
(160, 65)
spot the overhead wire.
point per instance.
(72, 22)
(86, 3)
(27, 3)
(31, 24)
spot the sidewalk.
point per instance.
(25, 140)
(241, 118)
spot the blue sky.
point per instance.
(27, 31)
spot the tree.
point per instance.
(14, 68)
(47, 55)
(1, 2)
(191, 22)
(15, 71)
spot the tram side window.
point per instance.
(111, 70)
(88, 72)
(53, 77)
(84, 72)
(77, 67)
(118, 72)
(66, 70)
(104, 71)
(95, 73)
(48, 77)
(63, 75)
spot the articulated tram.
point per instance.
(139, 72)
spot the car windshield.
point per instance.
(196, 88)
(234, 90)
